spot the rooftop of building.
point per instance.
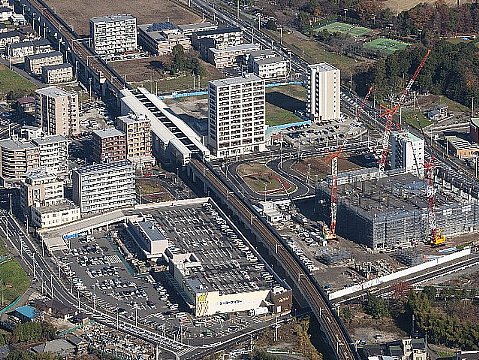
(50, 139)
(241, 47)
(45, 55)
(460, 143)
(16, 144)
(131, 118)
(158, 27)
(323, 67)
(203, 237)
(270, 60)
(53, 91)
(39, 174)
(28, 43)
(9, 34)
(406, 136)
(196, 26)
(58, 67)
(57, 346)
(112, 18)
(246, 78)
(26, 100)
(475, 121)
(5, 9)
(151, 230)
(391, 194)
(219, 31)
(262, 53)
(108, 133)
(27, 311)
(104, 167)
(60, 206)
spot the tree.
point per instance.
(376, 307)
(178, 59)
(271, 25)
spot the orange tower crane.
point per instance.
(390, 112)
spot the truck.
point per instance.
(258, 311)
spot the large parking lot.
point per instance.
(104, 266)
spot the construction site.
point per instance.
(391, 211)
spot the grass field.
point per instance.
(282, 101)
(415, 119)
(343, 28)
(13, 279)
(314, 52)
(10, 81)
(78, 14)
(385, 46)
(259, 177)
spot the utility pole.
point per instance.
(238, 9)
(51, 284)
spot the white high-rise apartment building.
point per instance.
(56, 111)
(323, 92)
(407, 151)
(103, 187)
(113, 34)
(236, 111)
(53, 154)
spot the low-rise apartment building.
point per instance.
(189, 29)
(35, 63)
(223, 37)
(39, 188)
(108, 145)
(18, 51)
(103, 187)
(8, 37)
(16, 159)
(161, 38)
(56, 74)
(230, 56)
(56, 214)
(267, 64)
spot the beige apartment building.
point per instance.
(56, 74)
(16, 159)
(161, 38)
(108, 145)
(56, 111)
(138, 139)
(35, 63)
(53, 154)
(236, 111)
(39, 188)
(324, 85)
(230, 56)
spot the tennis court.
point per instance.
(385, 46)
(343, 28)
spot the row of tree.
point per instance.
(181, 62)
(451, 70)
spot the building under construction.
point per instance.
(391, 211)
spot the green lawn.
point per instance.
(10, 81)
(415, 119)
(14, 281)
(385, 46)
(343, 28)
(282, 101)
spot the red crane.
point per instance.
(390, 112)
(330, 233)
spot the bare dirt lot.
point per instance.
(397, 6)
(321, 167)
(78, 14)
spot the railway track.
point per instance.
(307, 285)
(84, 53)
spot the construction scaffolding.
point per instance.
(390, 211)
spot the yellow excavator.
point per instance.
(437, 238)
